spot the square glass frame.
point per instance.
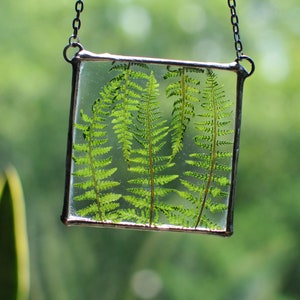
(165, 161)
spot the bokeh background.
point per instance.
(262, 259)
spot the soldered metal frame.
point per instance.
(85, 56)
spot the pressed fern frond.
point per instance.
(186, 90)
(211, 166)
(127, 96)
(150, 134)
(93, 162)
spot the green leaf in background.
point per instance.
(14, 258)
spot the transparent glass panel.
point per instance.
(152, 146)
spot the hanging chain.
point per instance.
(236, 30)
(76, 22)
(74, 41)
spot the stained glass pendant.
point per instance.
(153, 143)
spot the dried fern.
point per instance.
(186, 92)
(147, 162)
(129, 109)
(207, 189)
(93, 162)
(127, 96)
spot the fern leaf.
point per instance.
(92, 161)
(150, 132)
(127, 97)
(210, 167)
(187, 92)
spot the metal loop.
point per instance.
(73, 41)
(79, 6)
(234, 19)
(233, 4)
(76, 23)
(247, 58)
(71, 45)
(239, 46)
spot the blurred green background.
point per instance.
(262, 259)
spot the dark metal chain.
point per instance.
(76, 22)
(74, 41)
(236, 30)
(79, 6)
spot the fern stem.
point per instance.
(181, 130)
(183, 102)
(126, 151)
(152, 184)
(151, 169)
(94, 174)
(213, 158)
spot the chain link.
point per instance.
(236, 30)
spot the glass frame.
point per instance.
(69, 217)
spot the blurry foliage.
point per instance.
(14, 262)
(261, 260)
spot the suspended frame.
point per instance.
(153, 143)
